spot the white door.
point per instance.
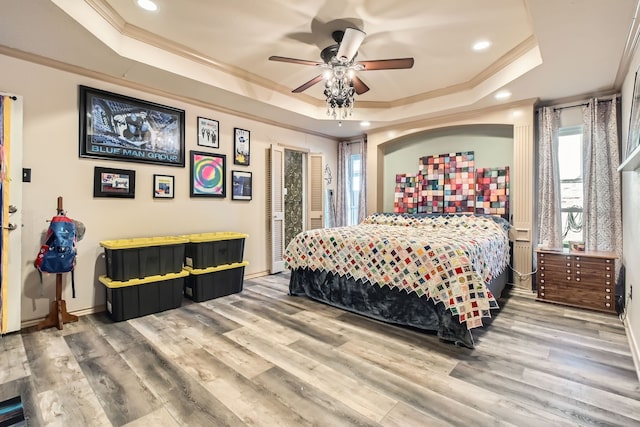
(316, 191)
(11, 262)
(276, 183)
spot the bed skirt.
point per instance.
(390, 305)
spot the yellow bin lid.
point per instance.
(134, 282)
(210, 237)
(216, 268)
(142, 242)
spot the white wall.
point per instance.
(492, 146)
(51, 151)
(630, 223)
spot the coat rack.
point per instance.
(58, 314)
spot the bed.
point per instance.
(439, 273)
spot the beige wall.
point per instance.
(630, 223)
(50, 149)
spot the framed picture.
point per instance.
(110, 182)
(208, 131)
(633, 140)
(241, 185)
(208, 174)
(241, 147)
(163, 186)
(116, 127)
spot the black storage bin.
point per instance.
(140, 297)
(128, 259)
(213, 249)
(214, 282)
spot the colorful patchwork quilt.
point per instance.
(446, 258)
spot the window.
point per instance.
(353, 193)
(571, 182)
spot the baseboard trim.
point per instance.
(635, 350)
(97, 309)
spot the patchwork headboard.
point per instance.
(450, 183)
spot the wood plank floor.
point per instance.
(263, 358)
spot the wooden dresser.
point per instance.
(578, 279)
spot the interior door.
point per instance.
(10, 251)
(276, 183)
(316, 191)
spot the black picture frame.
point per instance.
(111, 182)
(633, 138)
(208, 174)
(208, 132)
(241, 146)
(241, 185)
(163, 186)
(118, 127)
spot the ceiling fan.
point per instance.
(339, 60)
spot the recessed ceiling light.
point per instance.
(147, 5)
(503, 94)
(481, 45)
(365, 124)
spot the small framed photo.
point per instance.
(241, 147)
(110, 182)
(208, 174)
(163, 186)
(208, 133)
(241, 185)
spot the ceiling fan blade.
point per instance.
(359, 85)
(308, 84)
(294, 60)
(350, 44)
(387, 64)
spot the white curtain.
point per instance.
(343, 201)
(602, 193)
(362, 202)
(344, 152)
(549, 215)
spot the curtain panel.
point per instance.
(549, 215)
(602, 189)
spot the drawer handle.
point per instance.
(608, 276)
(578, 265)
(568, 277)
(608, 296)
(541, 261)
(542, 287)
(607, 268)
(607, 283)
(542, 268)
(608, 290)
(577, 258)
(568, 264)
(577, 279)
(608, 261)
(607, 305)
(568, 271)
(578, 272)
(541, 274)
(541, 294)
(541, 281)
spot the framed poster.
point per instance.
(208, 133)
(117, 127)
(241, 146)
(163, 186)
(110, 182)
(241, 185)
(208, 174)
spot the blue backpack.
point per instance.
(58, 253)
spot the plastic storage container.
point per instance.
(142, 257)
(214, 249)
(139, 297)
(213, 282)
